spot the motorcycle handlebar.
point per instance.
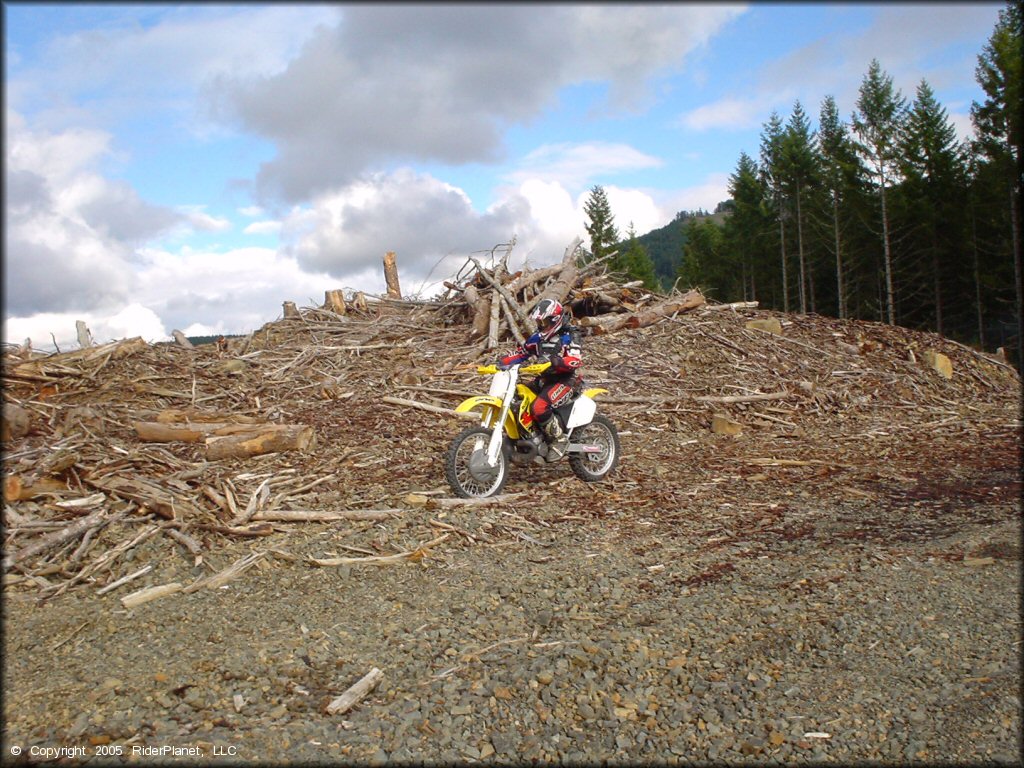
(534, 368)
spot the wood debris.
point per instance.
(339, 415)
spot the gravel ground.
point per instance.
(599, 636)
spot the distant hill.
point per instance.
(665, 244)
(197, 340)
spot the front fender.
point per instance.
(490, 407)
(594, 392)
(487, 404)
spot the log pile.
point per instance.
(499, 302)
(339, 415)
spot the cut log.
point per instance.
(182, 339)
(156, 432)
(84, 335)
(567, 275)
(605, 324)
(150, 593)
(17, 422)
(481, 308)
(16, 489)
(268, 440)
(742, 398)
(394, 291)
(313, 515)
(290, 310)
(355, 694)
(334, 300)
(177, 416)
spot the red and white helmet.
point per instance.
(550, 317)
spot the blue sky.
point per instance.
(193, 166)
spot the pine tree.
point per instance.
(603, 235)
(636, 263)
(839, 170)
(878, 121)
(745, 227)
(935, 182)
(772, 173)
(800, 161)
(997, 123)
(703, 265)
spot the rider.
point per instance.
(558, 343)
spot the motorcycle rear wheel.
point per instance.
(591, 467)
(466, 467)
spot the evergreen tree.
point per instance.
(935, 183)
(745, 227)
(603, 235)
(997, 124)
(878, 122)
(800, 162)
(839, 171)
(772, 174)
(703, 266)
(635, 262)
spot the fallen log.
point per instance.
(742, 398)
(432, 408)
(150, 593)
(68, 533)
(16, 489)
(269, 439)
(353, 695)
(566, 275)
(193, 415)
(313, 515)
(605, 324)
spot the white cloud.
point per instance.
(47, 328)
(69, 232)
(634, 205)
(574, 165)
(347, 102)
(728, 113)
(263, 228)
(140, 67)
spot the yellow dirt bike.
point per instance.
(479, 458)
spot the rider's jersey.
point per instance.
(563, 350)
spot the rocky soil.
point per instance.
(839, 582)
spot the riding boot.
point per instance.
(558, 441)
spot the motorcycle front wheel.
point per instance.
(602, 434)
(466, 467)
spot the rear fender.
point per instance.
(583, 410)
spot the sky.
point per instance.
(193, 166)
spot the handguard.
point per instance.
(535, 368)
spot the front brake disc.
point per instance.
(481, 471)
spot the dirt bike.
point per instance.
(479, 458)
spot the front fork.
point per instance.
(498, 435)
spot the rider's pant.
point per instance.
(553, 394)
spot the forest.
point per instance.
(885, 216)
